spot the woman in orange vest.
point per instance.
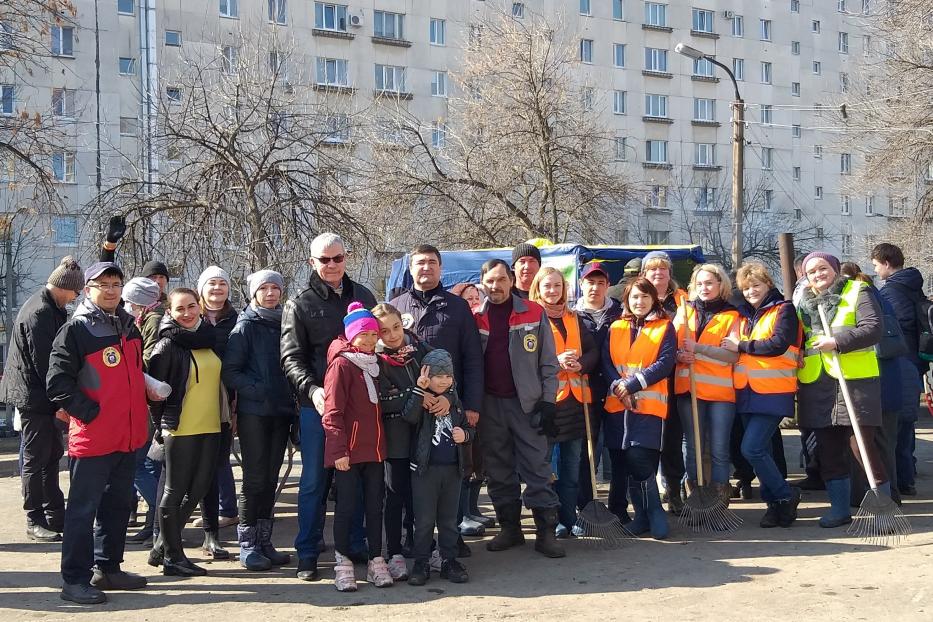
(701, 325)
(766, 382)
(577, 355)
(637, 361)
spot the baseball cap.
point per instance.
(594, 267)
(99, 268)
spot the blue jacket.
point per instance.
(444, 320)
(903, 290)
(251, 367)
(598, 326)
(892, 393)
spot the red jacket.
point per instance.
(352, 423)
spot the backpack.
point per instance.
(924, 309)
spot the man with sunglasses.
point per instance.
(310, 322)
(96, 379)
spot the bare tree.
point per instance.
(522, 151)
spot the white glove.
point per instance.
(317, 398)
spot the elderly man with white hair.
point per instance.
(310, 321)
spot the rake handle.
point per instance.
(847, 398)
(697, 443)
(589, 432)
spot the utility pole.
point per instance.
(9, 298)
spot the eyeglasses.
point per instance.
(335, 259)
(106, 288)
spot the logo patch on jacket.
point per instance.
(530, 342)
(111, 357)
(408, 320)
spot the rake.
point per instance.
(878, 520)
(598, 524)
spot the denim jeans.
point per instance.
(756, 447)
(567, 485)
(312, 486)
(716, 427)
(146, 479)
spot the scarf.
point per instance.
(397, 357)
(199, 337)
(142, 314)
(270, 315)
(370, 366)
(706, 310)
(554, 311)
(811, 301)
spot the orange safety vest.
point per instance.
(568, 382)
(713, 377)
(767, 374)
(630, 357)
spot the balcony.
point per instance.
(707, 167)
(652, 119)
(333, 34)
(703, 34)
(657, 28)
(704, 123)
(401, 43)
(335, 88)
(651, 73)
(665, 166)
(697, 78)
(400, 95)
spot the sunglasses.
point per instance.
(335, 259)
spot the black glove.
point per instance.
(157, 436)
(546, 423)
(116, 229)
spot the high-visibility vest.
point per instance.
(630, 357)
(568, 382)
(855, 365)
(767, 374)
(713, 377)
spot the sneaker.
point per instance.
(420, 573)
(435, 562)
(307, 570)
(344, 578)
(453, 571)
(82, 593)
(577, 531)
(470, 527)
(377, 573)
(561, 532)
(398, 568)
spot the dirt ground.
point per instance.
(802, 573)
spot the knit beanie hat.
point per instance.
(832, 260)
(439, 363)
(155, 267)
(357, 320)
(633, 267)
(67, 275)
(260, 278)
(661, 255)
(141, 291)
(525, 250)
(211, 272)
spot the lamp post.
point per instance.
(738, 152)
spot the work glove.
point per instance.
(546, 424)
(116, 229)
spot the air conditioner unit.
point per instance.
(728, 14)
(356, 21)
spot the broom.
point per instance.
(597, 523)
(879, 520)
(704, 509)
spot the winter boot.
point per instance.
(545, 541)
(475, 513)
(510, 527)
(264, 525)
(656, 516)
(174, 562)
(771, 517)
(251, 556)
(787, 508)
(212, 546)
(641, 524)
(838, 491)
(146, 532)
(675, 503)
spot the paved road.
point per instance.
(787, 574)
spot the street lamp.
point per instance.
(738, 152)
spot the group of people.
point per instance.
(403, 410)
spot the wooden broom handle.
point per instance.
(589, 432)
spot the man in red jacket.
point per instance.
(96, 379)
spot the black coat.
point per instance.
(416, 415)
(27, 364)
(395, 386)
(251, 367)
(568, 416)
(226, 320)
(310, 322)
(903, 290)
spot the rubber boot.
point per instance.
(212, 546)
(546, 521)
(657, 518)
(475, 514)
(640, 525)
(838, 491)
(510, 527)
(265, 542)
(251, 556)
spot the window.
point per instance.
(866, 7)
(655, 105)
(7, 168)
(844, 42)
(738, 68)
(619, 147)
(126, 7)
(173, 38)
(702, 67)
(767, 114)
(6, 35)
(476, 34)
(438, 135)
(585, 8)
(439, 84)
(278, 65)
(438, 32)
(656, 14)
(329, 16)
(738, 26)
(704, 109)
(65, 230)
(656, 151)
(703, 20)
(129, 126)
(706, 199)
(841, 6)
(705, 154)
(897, 206)
(337, 127)
(388, 25)
(63, 167)
(618, 102)
(618, 12)
(173, 94)
(846, 243)
(656, 59)
(817, 67)
(173, 152)
(765, 29)
(795, 89)
(845, 163)
(818, 152)
(587, 97)
(795, 6)
(63, 103)
(518, 10)
(63, 41)
(869, 205)
(845, 205)
(796, 172)
(127, 66)
(6, 98)
(229, 59)
(843, 82)
(332, 72)
(659, 237)
(795, 131)
(765, 73)
(657, 197)
(818, 193)
(586, 50)
(278, 11)
(618, 54)
(815, 26)
(767, 158)
(390, 78)
(795, 48)
(230, 8)
(768, 200)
